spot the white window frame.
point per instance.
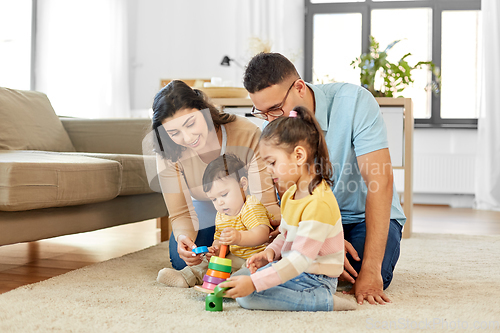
(365, 8)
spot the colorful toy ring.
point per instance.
(217, 274)
(207, 285)
(218, 267)
(219, 291)
(213, 280)
(220, 261)
(200, 249)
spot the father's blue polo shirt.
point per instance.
(353, 125)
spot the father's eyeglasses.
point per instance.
(276, 111)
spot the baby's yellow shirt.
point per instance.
(252, 214)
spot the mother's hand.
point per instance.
(184, 247)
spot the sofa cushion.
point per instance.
(134, 178)
(35, 179)
(28, 122)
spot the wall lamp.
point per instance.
(226, 61)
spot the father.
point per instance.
(355, 132)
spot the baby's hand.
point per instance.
(230, 236)
(274, 233)
(275, 223)
(212, 251)
(260, 260)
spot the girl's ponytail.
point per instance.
(322, 166)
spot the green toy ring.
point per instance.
(218, 267)
(219, 292)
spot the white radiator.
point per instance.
(443, 174)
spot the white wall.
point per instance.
(178, 39)
(188, 39)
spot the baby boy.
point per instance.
(242, 222)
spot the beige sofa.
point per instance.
(62, 176)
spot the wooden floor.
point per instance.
(26, 263)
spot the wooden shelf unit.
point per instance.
(232, 102)
(408, 121)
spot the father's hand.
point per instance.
(349, 272)
(184, 247)
(369, 286)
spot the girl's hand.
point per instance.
(184, 247)
(212, 251)
(241, 286)
(230, 236)
(259, 260)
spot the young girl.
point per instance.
(298, 271)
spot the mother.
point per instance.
(190, 133)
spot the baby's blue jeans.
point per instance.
(305, 292)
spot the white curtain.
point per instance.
(82, 57)
(278, 23)
(488, 161)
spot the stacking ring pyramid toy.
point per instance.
(219, 269)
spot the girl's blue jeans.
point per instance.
(305, 292)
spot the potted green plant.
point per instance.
(396, 76)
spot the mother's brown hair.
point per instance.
(174, 97)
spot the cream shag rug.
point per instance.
(442, 282)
